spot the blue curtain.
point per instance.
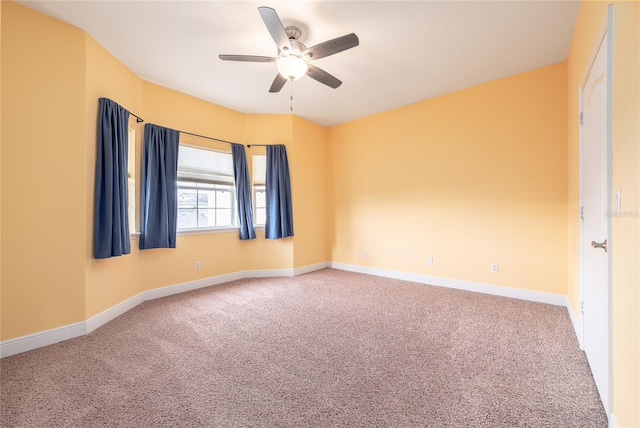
(278, 189)
(111, 225)
(159, 187)
(243, 192)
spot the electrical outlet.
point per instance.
(430, 262)
(495, 268)
(365, 254)
(197, 265)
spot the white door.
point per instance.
(595, 265)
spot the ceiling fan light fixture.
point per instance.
(293, 56)
(291, 65)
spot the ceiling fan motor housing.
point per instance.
(293, 33)
(297, 47)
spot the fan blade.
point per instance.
(323, 77)
(247, 58)
(333, 46)
(278, 83)
(275, 27)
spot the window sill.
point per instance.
(187, 232)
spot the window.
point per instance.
(131, 170)
(259, 189)
(206, 190)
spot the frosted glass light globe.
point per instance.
(292, 66)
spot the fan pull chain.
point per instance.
(291, 96)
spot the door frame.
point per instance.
(605, 33)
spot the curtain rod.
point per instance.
(138, 118)
(208, 138)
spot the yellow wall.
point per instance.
(309, 193)
(1, 3)
(269, 129)
(486, 175)
(114, 280)
(50, 279)
(626, 249)
(108, 282)
(472, 178)
(43, 165)
(626, 167)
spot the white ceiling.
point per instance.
(409, 50)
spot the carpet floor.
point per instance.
(325, 349)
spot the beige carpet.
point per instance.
(326, 349)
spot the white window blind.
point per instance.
(204, 166)
(259, 170)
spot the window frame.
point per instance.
(257, 186)
(215, 189)
(134, 231)
(193, 184)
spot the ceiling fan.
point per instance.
(293, 56)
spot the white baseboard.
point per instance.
(575, 321)
(49, 337)
(496, 290)
(43, 338)
(112, 313)
(268, 273)
(170, 290)
(310, 268)
(60, 334)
